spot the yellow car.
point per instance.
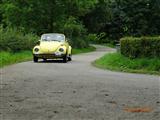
(51, 46)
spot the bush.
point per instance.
(99, 38)
(76, 32)
(135, 47)
(92, 38)
(14, 40)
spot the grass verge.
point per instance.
(117, 62)
(7, 58)
(109, 45)
(83, 50)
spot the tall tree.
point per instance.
(96, 19)
(118, 18)
(43, 15)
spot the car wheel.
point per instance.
(44, 59)
(35, 59)
(65, 59)
(70, 58)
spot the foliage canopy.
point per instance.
(77, 18)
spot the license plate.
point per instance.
(58, 54)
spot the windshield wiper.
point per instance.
(56, 40)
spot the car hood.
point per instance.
(47, 47)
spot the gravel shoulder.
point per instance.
(76, 91)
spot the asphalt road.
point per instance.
(76, 91)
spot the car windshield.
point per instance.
(53, 37)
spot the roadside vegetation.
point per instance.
(140, 47)
(118, 62)
(83, 50)
(137, 54)
(14, 40)
(8, 58)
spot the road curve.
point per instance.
(76, 91)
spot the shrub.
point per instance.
(99, 38)
(135, 47)
(102, 38)
(14, 40)
(92, 38)
(76, 32)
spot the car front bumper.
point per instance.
(50, 56)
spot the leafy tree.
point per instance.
(42, 15)
(0, 12)
(96, 19)
(75, 31)
(33, 15)
(115, 18)
(118, 18)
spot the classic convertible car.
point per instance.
(51, 46)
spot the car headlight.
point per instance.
(36, 49)
(61, 49)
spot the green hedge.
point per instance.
(14, 40)
(136, 47)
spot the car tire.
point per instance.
(70, 58)
(35, 59)
(65, 59)
(44, 59)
